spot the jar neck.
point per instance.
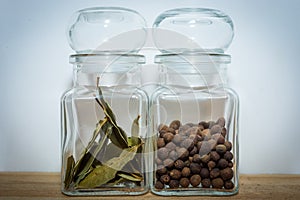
(198, 76)
(196, 70)
(87, 76)
(112, 69)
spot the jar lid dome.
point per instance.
(107, 29)
(196, 29)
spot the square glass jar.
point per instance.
(104, 127)
(195, 126)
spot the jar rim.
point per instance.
(193, 57)
(106, 57)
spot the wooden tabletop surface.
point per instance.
(34, 185)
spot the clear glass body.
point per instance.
(104, 127)
(195, 126)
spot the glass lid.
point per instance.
(193, 29)
(107, 29)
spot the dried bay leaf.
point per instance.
(115, 181)
(118, 136)
(111, 151)
(106, 172)
(135, 128)
(107, 129)
(86, 155)
(130, 177)
(69, 171)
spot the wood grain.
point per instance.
(33, 185)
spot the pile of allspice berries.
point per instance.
(194, 155)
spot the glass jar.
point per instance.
(104, 127)
(194, 112)
(195, 122)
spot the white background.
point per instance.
(264, 71)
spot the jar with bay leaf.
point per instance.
(104, 127)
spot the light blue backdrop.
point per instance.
(34, 72)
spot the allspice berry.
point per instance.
(196, 158)
(205, 132)
(218, 138)
(175, 174)
(165, 179)
(194, 151)
(201, 127)
(224, 132)
(168, 137)
(217, 183)
(211, 124)
(162, 127)
(228, 185)
(195, 168)
(206, 183)
(162, 133)
(230, 164)
(179, 164)
(211, 164)
(171, 146)
(173, 155)
(222, 163)
(174, 184)
(159, 185)
(169, 163)
(175, 124)
(221, 121)
(160, 142)
(214, 156)
(184, 182)
(186, 172)
(221, 149)
(204, 173)
(215, 129)
(205, 148)
(199, 144)
(205, 158)
(204, 124)
(187, 163)
(214, 173)
(226, 174)
(228, 156)
(182, 153)
(163, 153)
(161, 170)
(187, 144)
(228, 145)
(212, 144)
(177, 139)
(158, 161)
(195, 180)
(171, 130)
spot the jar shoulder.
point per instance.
(186, 91)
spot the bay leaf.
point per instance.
(106, 172)
(85, 156)
(111, 151)
(108, 130)
(135, 128)
(69, 171)
(130, 177)
(115, 181)
(118, 136)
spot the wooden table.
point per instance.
(32, 185)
